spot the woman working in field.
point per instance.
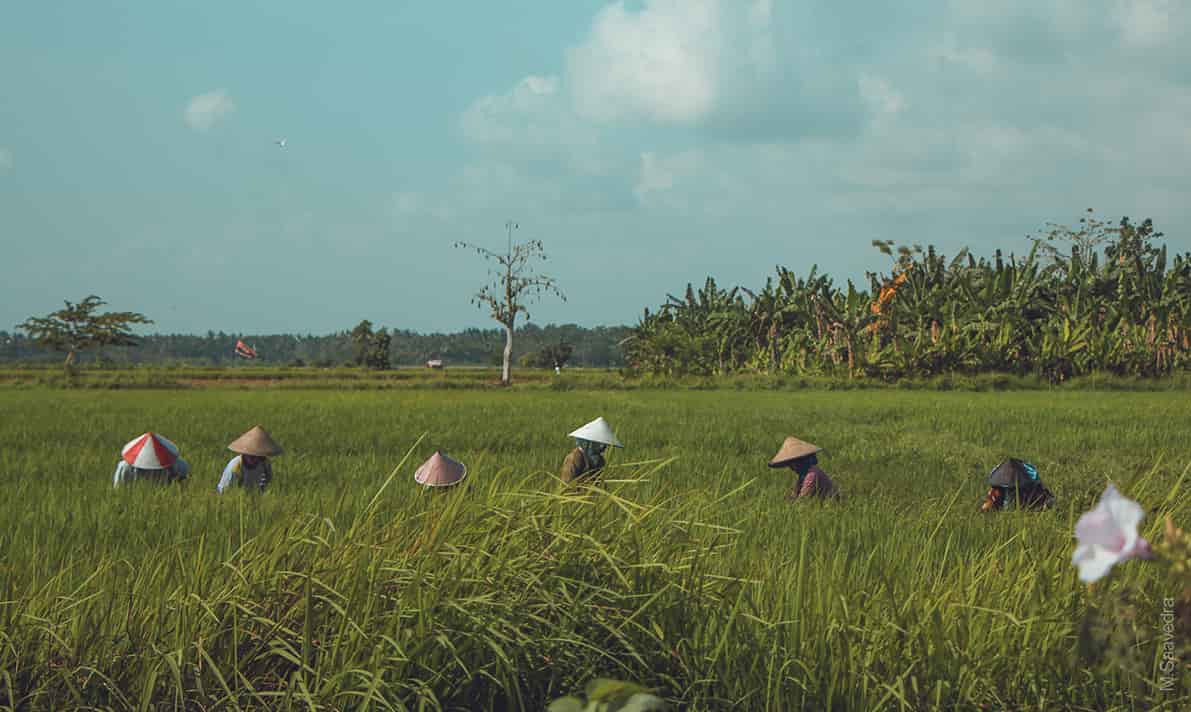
(152, 458)
(1016, 482)
(250, 468)
(587, 458)
(801, 457)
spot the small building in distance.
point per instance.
(434, 363)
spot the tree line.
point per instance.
(1096, 297)
(515, 284)
(590, 347)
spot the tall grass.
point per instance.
(345, 587)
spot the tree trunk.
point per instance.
(775, 349)
(505, 376)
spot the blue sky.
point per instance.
(647, 144)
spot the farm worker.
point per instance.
(588, 456)
(1017, 481)
(250, 468)
(440, 471)
(801, 457)
(150, 457)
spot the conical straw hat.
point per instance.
(792, 449)
(150, 452)
(256, 442)
(440, 471)
(597, 431)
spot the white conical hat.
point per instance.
(597, 431)
(150, 452)
(440, 471)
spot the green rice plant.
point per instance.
(347, 587)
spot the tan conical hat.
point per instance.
(792, 449)
(440, 471)
(256, 442)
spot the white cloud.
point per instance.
(707, 64)
(529, 112)
(675, 61)
(984, 119)
(1143, 23)
(744, 70)
(204, 110)
(661, 63)
(6, 160)
(1101, 35)
(534, 122)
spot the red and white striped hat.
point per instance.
(150, 452)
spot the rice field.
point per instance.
(346, 587)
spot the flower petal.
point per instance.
(1108, 535)
(1126, 513)
(1093, 562)
(1099, 528)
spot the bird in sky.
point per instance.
(280, 142)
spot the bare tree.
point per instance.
(514, 284)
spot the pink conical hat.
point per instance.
(440, 471)
(150, 452)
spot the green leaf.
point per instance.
(643, 702)
(566, 704)
(603, 689)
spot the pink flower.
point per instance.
(1108, 535)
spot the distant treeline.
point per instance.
(595, 347)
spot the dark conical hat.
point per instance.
(792, 449)
(1013, 473)
(256, 442)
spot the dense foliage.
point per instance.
(592, 347)
(1096, 298)
(371, 348)
(550, 356)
